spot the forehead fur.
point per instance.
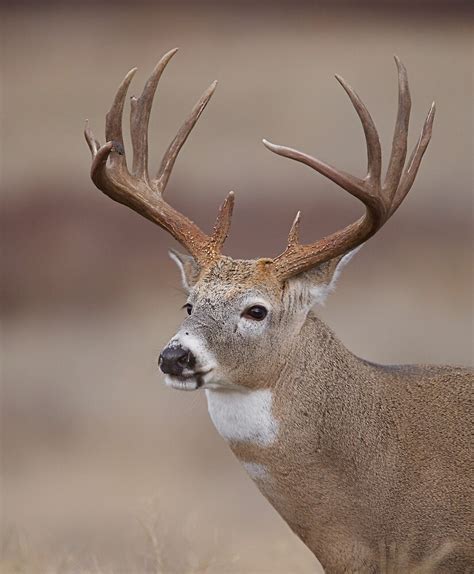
(240, 275)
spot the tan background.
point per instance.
(92, 442)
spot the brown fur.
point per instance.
(368, 455)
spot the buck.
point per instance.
(368, 464)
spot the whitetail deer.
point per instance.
(368, 464)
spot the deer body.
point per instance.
(368, 464)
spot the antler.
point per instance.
(381, 201)
(110, 173)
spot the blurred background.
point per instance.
(103, 468)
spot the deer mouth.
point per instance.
(190, 382)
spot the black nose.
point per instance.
(173, 360)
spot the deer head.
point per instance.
(245, 315)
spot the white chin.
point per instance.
(182, 384)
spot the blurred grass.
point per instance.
(89, 295)
(151, 549)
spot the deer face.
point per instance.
(236, 316)
(242, 323)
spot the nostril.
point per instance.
(185, 359)
(190, 360)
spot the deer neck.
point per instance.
(310, 433)
(325, 392)
(317, 386)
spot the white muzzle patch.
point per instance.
(204, 370)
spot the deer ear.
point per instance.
(322, 279)
(188, 266)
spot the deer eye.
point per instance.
(256, 312)
(189, 308)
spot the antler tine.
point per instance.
(113, 119)
(374, 152)
(110, 174)
(294, 234)
(92, 142)
(400, 134)
(113, 149)
(350, 183)
(222, 225)
(172, 152)
(380, 201)
(414, 162)
(140, 118)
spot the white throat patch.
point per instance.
(243, 416)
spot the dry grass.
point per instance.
(152, 549)
(162, 553)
